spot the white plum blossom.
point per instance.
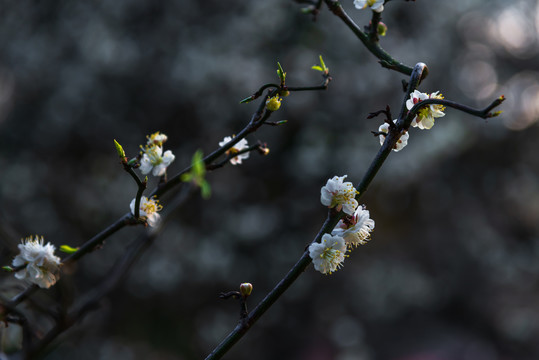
(355, 229)
(375, 5)
(148, 210)
(41, 266)
(339, 194)
(155, 161)
(426, 115)
(240, 145)
(401, 143)
(328, 255)
(156, 139)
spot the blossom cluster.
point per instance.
(352, 230)
(153, 159)
(236, 149)
(424, 118)
(426, 115)
(37, 262)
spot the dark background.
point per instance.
(451, 271)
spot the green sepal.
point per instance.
(132, 162)
(7, 268)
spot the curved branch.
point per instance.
(386, 60)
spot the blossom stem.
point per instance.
(141, 187)
(386, 60)
(394, 133)
(373, 27)
(222, 163)
(91, 244)
(257, 120)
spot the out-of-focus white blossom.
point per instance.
(240, 145)
(339, 194)
(401, 143)
(41, 265)
(375, 5)
(155, 161)
(148, 210)
(156, 139)
(426, 115)
(355, 229)
(329, 254)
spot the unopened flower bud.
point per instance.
(263, 150)
(382, 29)
(284, 93)
(273, 103)
(246, 289)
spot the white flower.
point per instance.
(375, 5)
(156, 139)
(401, 143)
(41, 266)
(339, 194)
(328, 255)
(148, 210)
(355, 229)
(242, 144)
(426, 115)
(154, 162)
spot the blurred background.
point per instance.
(451, 271)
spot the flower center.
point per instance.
(331, 256)
(151, 207)
(153, 154)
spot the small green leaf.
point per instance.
(322, 62)
(281, 73)
(186, 177)
(68, 249)
(196, 175)
(119, 149)
(323, 68)
(199, 168)
(205, 189)
(247, 100)
(7, 268)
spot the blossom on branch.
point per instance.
(375, 5)
(401, 143)
(241, 145)
(355, 229)
(328, 255)
(41, 265)
(154, 160)
(273, 103)
(339, 194)
(426, 115)
(148, 210)
(156, 139)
